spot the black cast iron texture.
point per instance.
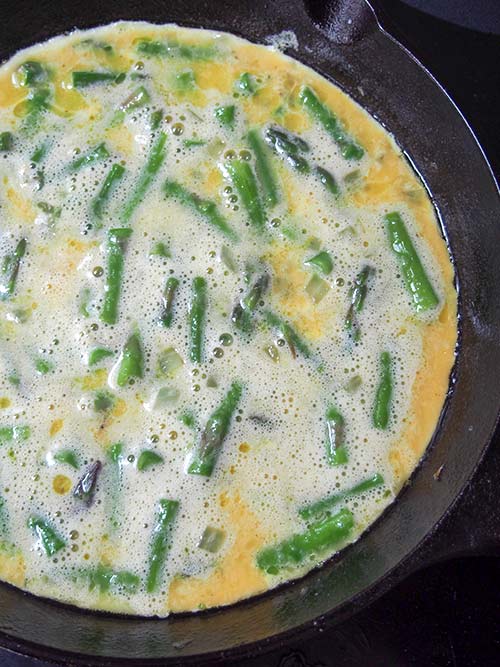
(388, 82)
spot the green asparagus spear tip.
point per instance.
(321, 113)
(197, 316)
(10, 270)
(242, 177)
(318, 537)
(50, 539)
(335, 444)
(381, 408)
(292, 338)
(242, 312)
(117, 240)
(327, 179)
(160, 544)
(416, 280)
(225, 115)
(357, 294)
(206, 452)
(151, 168)
(288, 147)
(321, 261)
(132, 362)
(324, 505)
(263, 169)
(204, 207)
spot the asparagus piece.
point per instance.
(51, 541)
(117, 241)
(37, 103)
(39, 153)
(321, 261)
(292, 338)
(31, 73)
(10, 270)
(225, 115)
(321, 113)
(160, 250)
(318, 537)
(132, 362)
(148, 458)
(212, 539)
(103, 401)
(335, 446)
(105, 579)
(86, 486)
(151, 168)
(6, 141)
(324, 505)
(240, 173)
(4, 519)
(357, 294)
(137, 99)
(204, 207)
(197, 313)
(67, 456)
(242, 312)
(246, 84)
(327, 180)
(100, 200)
(114, 455)
(417, 283)
(160, 544)
(288, 147)
(172, 49)
(156, 118)
(167, 314)
(10, 433)
(82, 79)
(98, 354)
(206, 452)
(383, 396)
(98, 153)
(263, 169)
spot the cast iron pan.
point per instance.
(343, 41)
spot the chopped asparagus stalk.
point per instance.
(324, 505)
(51, 541)
(160, 544)
(381, 408)
(132, 362)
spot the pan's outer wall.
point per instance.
(387, 82)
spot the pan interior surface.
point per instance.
(466, 424)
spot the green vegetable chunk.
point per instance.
(357, 294)
(204, 456)
(98, 354)
(325, 505)
(151, 168)
(84, 79)
(212, 539)
(10, 433)
(10, 270)
(51, 541)
(242, 312)
(197, 316)
(31, 73)
(97, 154)
(263, 169)
(328, 180)
(318, 537)
(242, 177)
(114, 455)
(204, 207)
(336, 453)
(6, 141)
(288, 147)
(105, 579)
(167, 313)
(245, 84)
(117, 242)
(321, 113)
(148, 458)
(225, 115)
(67, 456)
(160, 543)
(417, 283)
(132, 362)
(381, 408)
(321, 261)
(114, 175)
(291, 337)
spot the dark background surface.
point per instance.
(449, 613)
